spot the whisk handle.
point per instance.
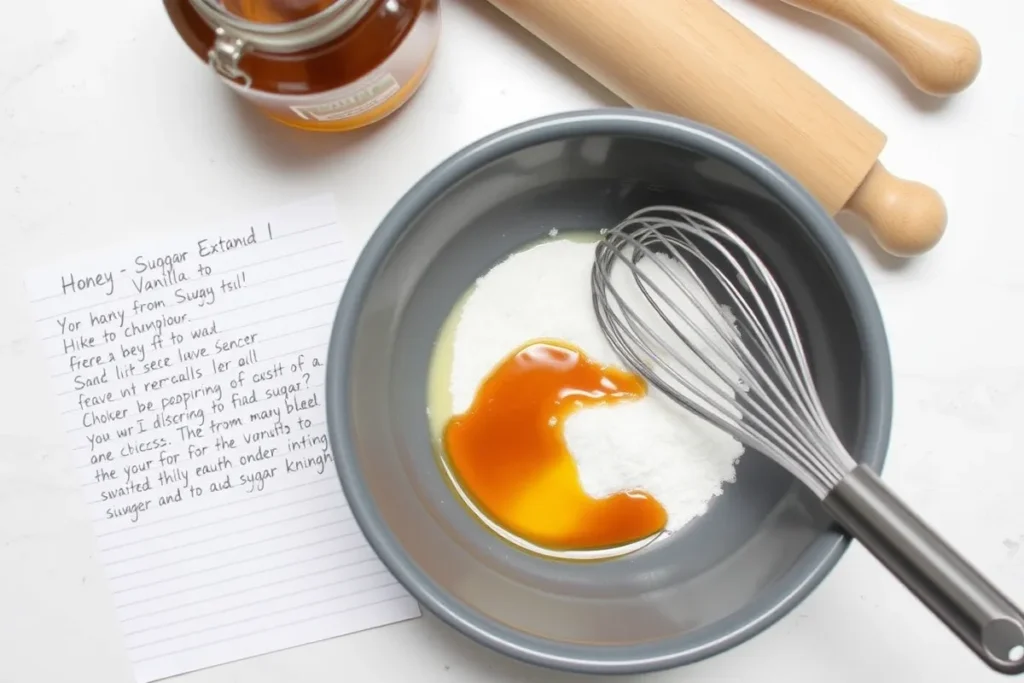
(974, 609)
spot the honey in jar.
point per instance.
(328, 65)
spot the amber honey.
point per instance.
(276, 11)
(366, 70)
(509, 455)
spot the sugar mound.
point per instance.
(653, 444)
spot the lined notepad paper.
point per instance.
(190, 375)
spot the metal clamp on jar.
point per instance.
(329, 65)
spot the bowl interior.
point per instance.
(680, 598)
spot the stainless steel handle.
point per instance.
(984, 619)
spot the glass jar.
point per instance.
(328, 65)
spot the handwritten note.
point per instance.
(190, 374)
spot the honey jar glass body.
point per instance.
(328, 65)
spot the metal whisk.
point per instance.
(696, 312)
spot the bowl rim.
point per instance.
(824, 552)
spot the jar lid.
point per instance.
(295, 36)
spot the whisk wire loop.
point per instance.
(762, 420)
(786, 353)
(729, 349)
(779, 353)
(642, 334)
(754, 325)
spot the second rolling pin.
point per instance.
(691, 58)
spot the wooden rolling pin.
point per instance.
(938, 57)
(690, 58)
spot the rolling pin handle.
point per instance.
(938, 57)
(941, 59)
(907, 218)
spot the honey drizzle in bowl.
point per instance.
(509, 454)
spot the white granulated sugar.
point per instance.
(653, 444)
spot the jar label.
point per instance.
(352, 100)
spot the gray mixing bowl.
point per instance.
(764, 544)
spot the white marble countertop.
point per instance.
(109, 129)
